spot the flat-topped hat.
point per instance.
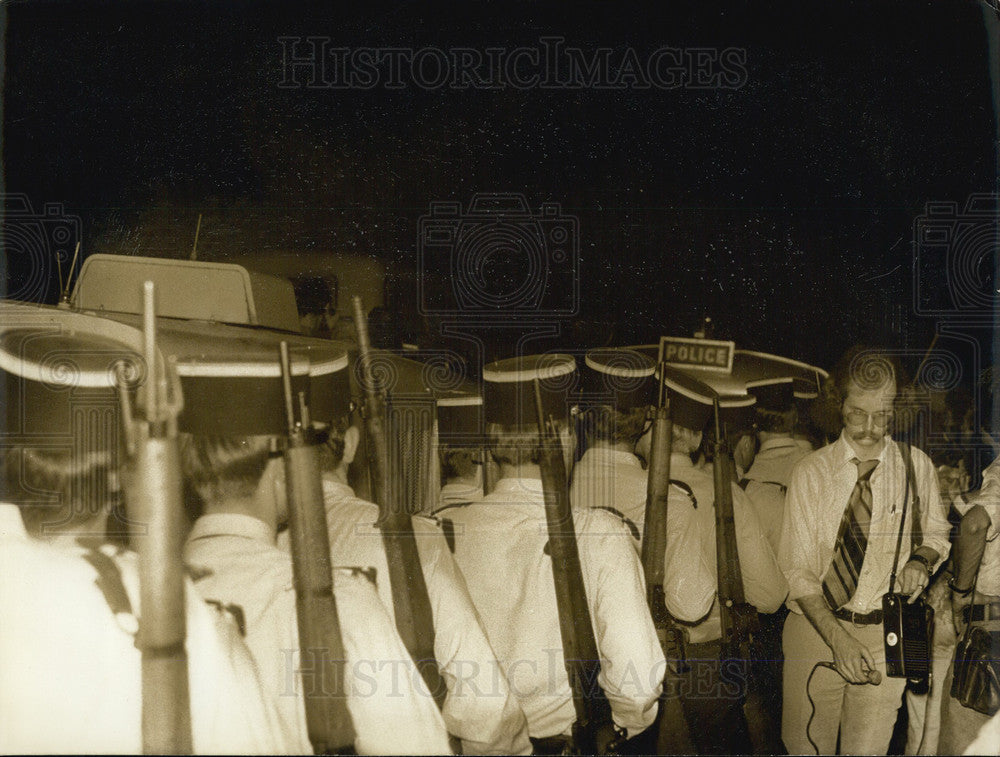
(754, 366)
(460, 415)
(774, 394)
(508, 388)
(621, 378)
(692, 400)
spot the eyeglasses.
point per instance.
(859, 417)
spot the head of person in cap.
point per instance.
(510, 414)
(617, 396)
(615, 408)
(316, 301)
(460, 447)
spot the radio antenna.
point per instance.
(197, 230)
(64, 297)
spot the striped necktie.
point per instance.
(849, 553)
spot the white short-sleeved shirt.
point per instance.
(479, 708)
(71, 675)
(239, 564)
(500, 546)
(767, 482)
(817, 497)
(691, 579)
(988, 580)
(611, 478)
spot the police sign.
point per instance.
(707, 354)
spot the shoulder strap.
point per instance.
(916, 530)
(632, 528)
(687, 490)
(745, 482)
(450, 506)
(109, 581)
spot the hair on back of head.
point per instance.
(221, 467)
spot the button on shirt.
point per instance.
(71, 675)
(500, 545)
(691, 578)
(479, 707)
(611, 478)
(772, 466)
(988, 581)
(238, 563)
(818, 493)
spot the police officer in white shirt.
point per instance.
(232, 551)
(478, 707)
(500, 545)
(615, 410)
(690, 572)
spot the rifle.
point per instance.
(327, 718)
(414, 620)
(156, 528)
(738, 617)
(594, 731)
(674, 736)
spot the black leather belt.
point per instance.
(859, 619)
(989, 611)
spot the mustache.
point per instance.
(861, 435)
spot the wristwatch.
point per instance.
(956, 590)
(923, 561)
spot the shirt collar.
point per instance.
(521, 486)
(845, 452)
(778, 442)
(11, 525)
(680, 460)
(608, 455)
(232, 524)
(336, 489)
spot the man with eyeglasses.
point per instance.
(838, 544)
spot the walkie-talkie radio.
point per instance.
(907, 630)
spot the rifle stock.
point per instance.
(594, 731)
(738, 618)
(411, 603)
(320, 642)
(674, 735)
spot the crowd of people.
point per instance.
(826, 525)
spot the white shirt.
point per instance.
(71, 675)
(691, 578)
(988, 580)
(239, 564)
(488, 722)
(611, 478)
(11, 524)
(500, 547)
(456, 493)
(771, 470)
(817, 497)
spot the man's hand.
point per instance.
(913, 579)
(853, 659)
(958, 605)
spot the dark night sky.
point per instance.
(784, 208)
